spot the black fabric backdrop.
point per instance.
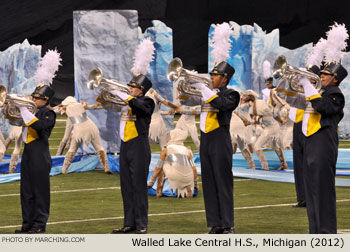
(50, 24)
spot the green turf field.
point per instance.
(91, 202)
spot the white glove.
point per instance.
(207, 93)
(120, 94)
(198, 85)
(309, 89)
(304, 81)
(27, 116)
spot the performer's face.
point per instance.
(135, 91)
(39, 102)
(218, 80)
(327, 80)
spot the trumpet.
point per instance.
(11, 104)
(96, 80)
(282, 70)
(175, 71)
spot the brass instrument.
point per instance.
(11, 104)
(175, 71)
(96, 80)
(282, 70)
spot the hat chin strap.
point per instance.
(220, 84)
(329, 81)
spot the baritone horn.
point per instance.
(96, 80)
(175, 71)
(282, 70)
(11, 103)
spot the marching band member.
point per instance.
(321, 147)
(298, 104)
(83, 131)
(322, 114)
(176, 161)
(36, 159)
(135, 151)
(215, 144)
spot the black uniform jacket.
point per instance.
(43, 126)
(227, 101)
(142, 107)
(330, 106)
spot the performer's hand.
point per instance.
(199, 86)
(27, 116)
(309, 89)
(120, 94)
(21, 107)
(304, 81)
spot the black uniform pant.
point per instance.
(217, 178)
(135, 157)
(35, 184)
(320, 157)
(298, 154)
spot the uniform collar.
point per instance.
(222, 88)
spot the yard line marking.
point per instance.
(67, 191)
(239, 180)
(51, 148)
(160, 214)
(92, 189)
(343, 231)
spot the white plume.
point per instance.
(143, 57)
(221, 42)
(48, 67)
(317, 53)
(267, 69)
(336, 43)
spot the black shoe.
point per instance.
(21, 231)
(216, 230)
(141, 231)
(36, 230)
(228, 230)
(300, 204)
(123, 230)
